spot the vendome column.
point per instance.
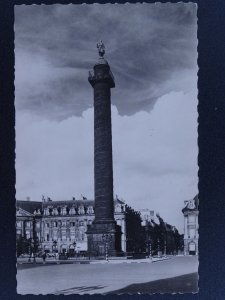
(103, 235)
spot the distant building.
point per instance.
(160, 237)
(147, 216)
(60, 226)
(190, 212)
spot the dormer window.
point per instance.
(64, 212)
(72, 211)
(55, 211)
(90, 210)
(81, 210)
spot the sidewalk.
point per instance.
(129, 261)
(53, 261)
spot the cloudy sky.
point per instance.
(152, 51)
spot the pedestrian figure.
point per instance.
(44, 257)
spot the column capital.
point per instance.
(101, 73)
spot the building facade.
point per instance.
(60, 226)
(191, 212)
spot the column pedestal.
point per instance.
(101, 236)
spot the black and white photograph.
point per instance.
(106, 102)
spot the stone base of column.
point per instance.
(104, 239)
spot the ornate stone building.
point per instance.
(190, 212)
(60, 226)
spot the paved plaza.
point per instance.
(101, 278)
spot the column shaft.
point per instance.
(103, 169)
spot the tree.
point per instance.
(22, 245)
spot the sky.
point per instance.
(152, 52)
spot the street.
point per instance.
(101, 278)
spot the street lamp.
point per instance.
(150, 249)
(74, 245)
(158, 246)
(106, 237)
(29, 247)
(34, 239)
(54, 247)
(33, 248)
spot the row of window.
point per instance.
(68, 223)
(75, 210)
(68, 211)
(80, 236)
(19, 224)
(27, 224)
(27, 234)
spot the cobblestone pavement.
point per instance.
(99, 278)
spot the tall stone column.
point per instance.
(103, 234)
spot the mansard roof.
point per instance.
(69, 203)
(31, 206)
(23, 213)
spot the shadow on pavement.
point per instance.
(180, 284)
(76, 290)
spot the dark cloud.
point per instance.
(146, 46)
